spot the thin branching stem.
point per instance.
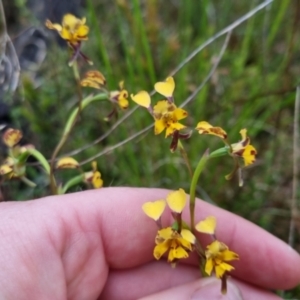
(66, 135)
(296, 150)
(211, 72)
(227, 29)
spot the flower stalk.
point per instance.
(201, 164)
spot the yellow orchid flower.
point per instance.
(12, 137)
(165, 113)
(72, 29)
(67, 163)
(204, 127)
(94, 177)
(120, 97)
(217, 256)
(166, 116)
(178, 244)
(244, 149)
(94, 79)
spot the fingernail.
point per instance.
(211, 289)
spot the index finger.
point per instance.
(128, 235)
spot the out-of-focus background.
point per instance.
(141, 42)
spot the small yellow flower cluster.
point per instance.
(74, 31)
(217, 253)
(242, 148)
(96, 79)
(14, 165)
(93, 177)
(179, 240)
(165, 113)
(166, 116)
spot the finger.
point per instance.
(128, 235)
(156, 280)
(146, 279)
(208, 288)
(111, 221)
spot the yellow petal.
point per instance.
(142, 98)
(123, 103)
(97, 182)
(93, 79)
(209, 265)
(243, 133)
(204, 127)
(228, 255)
(178, 126)
(159, 126)
(69, 20)
(165, 234)
(5, 169)
(12, 137)
(86, 82)
(66, 34)
(82, 32)
(67, 163)
(160, 250)
(188, 236)
(52, 26)
(165, 88)
(184, 243)
(122, 99)
(154, 209)
(215, 247)
(163, 107)
(220, 269)
(180, 113)
(177, 253)
(207, 226)
(249, 155)
(177, 200)
(170, 130)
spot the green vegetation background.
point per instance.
(141, 42)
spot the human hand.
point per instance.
(99, 245)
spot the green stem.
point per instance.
(67, 130)
(185, 157)
(28, 182)
(40, 157)
(198, 171)
(78, 84)
(220, 152)
(73, 181)
(85, 102)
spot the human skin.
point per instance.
(99, 245)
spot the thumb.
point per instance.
(202, 289)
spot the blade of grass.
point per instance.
(144, 39)
(102, 49)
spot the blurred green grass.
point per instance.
(254, 87)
